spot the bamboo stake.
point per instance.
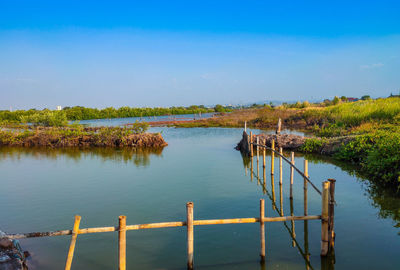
(306, 244)
(71, 250)
(263, 157)
(305, 187)
(262, 229)
(251, 144)
(291, 174)
(280, 165)
(272, 156)
(122, 242)
(324, 218)
(331, 212)
(258, 151)
(278, 128)
(189, 220)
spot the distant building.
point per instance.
(59, 108)
(352, 99)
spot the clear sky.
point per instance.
(165, 53)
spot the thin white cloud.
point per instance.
(371, 66)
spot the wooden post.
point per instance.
(263, 157)
(251, 169)
(280, 165)
(324, 218)
(122, 242)
(189, 222)
(251, 144)
(245, 126)
(258, 141)
(331, 213)
(306, 251)
(272, 156)
(291, 174)
(264, 181)
(278, 128)
(262, 229)
(305, 187)
(75, 232)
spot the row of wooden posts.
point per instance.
(328, 198)
(326, 217)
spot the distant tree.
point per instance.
(335, 101)
(365, 97)
(219, 108)
(343, 98)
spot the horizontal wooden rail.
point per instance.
(162, 225)
(290, 163)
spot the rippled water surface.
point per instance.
(42, 190)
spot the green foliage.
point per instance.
(46, 118)
(335, 101)
(312, 145)
(377, 153)
(82, 113)
(366, 97)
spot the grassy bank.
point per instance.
(79, 136)
(367, 132)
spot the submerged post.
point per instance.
(262, 229)
(272, 156)
(291, 173)
(71, 250)
(258, 151)
(264, 157)
(305, 187)
(251, 144)
(280, 165)
(331, 213)
(189, 222)
(324, 218)
(122, 242)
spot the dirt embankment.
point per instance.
(295, 142)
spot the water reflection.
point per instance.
(139, 157)
(326, 263)
(385, 199)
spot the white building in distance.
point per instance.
(59, 108)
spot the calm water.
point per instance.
(43, 190)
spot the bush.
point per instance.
(47, 119)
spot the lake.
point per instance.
(42, 190)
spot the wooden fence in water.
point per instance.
(326, 216)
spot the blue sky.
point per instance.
(164, 53)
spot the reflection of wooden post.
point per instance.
(272, 156)
(122, 242)
(258, 167)
(292, 221)
(291, 174)
(245, 126)
(331, 212)
(306, 251)
(280, 165)
(324, 218)
(251, 144)
(71, 250)
(305, 187)
(264, 181)
(189, 224)
(273, 191)
(281, 199)
(251, 168)
(262, 229)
